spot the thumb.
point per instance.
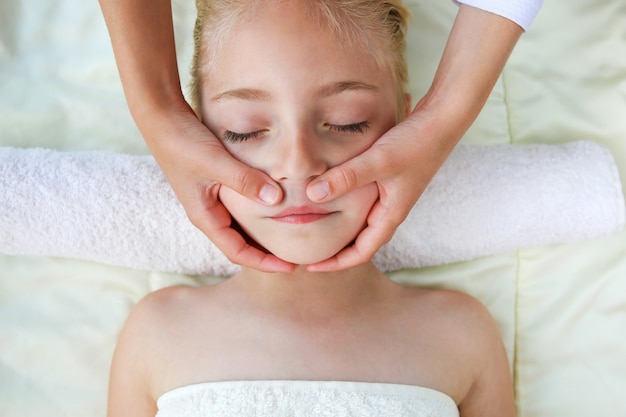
(245, 180)
(356, 172)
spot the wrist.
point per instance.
(166, 116)
(442, 118)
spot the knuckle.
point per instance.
(346, 177)
(243, 180)
(233, 257)
(203, 210)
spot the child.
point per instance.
(294, 88)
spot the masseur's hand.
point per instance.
(192, 158)
(404, 160)
(196, 164)
(402, 163)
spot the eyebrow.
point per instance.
(249, 94)
(252, 94)
(341, 86)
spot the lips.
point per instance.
(301, 215)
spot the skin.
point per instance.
(274, 326)
(195, 162)
(477, 49)
(317, 325)
(300, 112)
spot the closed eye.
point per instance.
(234, 137)
(351, 128)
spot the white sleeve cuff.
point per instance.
(522, 12)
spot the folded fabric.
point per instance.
(119, 209)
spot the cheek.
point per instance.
(362, 199)
(236, 204)
(257, 153)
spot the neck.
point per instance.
(312, 292)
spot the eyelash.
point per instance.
(235, 137)
(352, 128)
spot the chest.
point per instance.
(389, 351)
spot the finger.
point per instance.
(380, 229)
(205, 158)
(363, 249)
(378, 163)
(238, 251)
(215, 222)
(243, 179)
(358, 171)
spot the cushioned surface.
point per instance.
(561, 309)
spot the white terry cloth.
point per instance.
(304, 399)
(119, 209)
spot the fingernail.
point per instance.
(319, 190)
(269, 194)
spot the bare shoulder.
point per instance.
(143, 343)
(468, 320)
(170, 313)
(162, 306)
(469, 346)
(151, 332)
(450, 308)
(153, 317)
(163, 316)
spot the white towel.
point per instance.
(119, 209)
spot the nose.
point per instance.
(299, 157)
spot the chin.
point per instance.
(303, 260)
(304, 254)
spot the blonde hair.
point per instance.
(379, 26)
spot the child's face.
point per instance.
(286, 98)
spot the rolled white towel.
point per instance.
(492, 199)
(119, 209)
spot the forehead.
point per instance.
(285, 42)
(303, 22)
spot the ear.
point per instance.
(407, 104)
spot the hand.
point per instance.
(191, 157)
(196, 164)
(402, 163)
(404, 160)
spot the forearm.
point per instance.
(477, 49)
(142, 36)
